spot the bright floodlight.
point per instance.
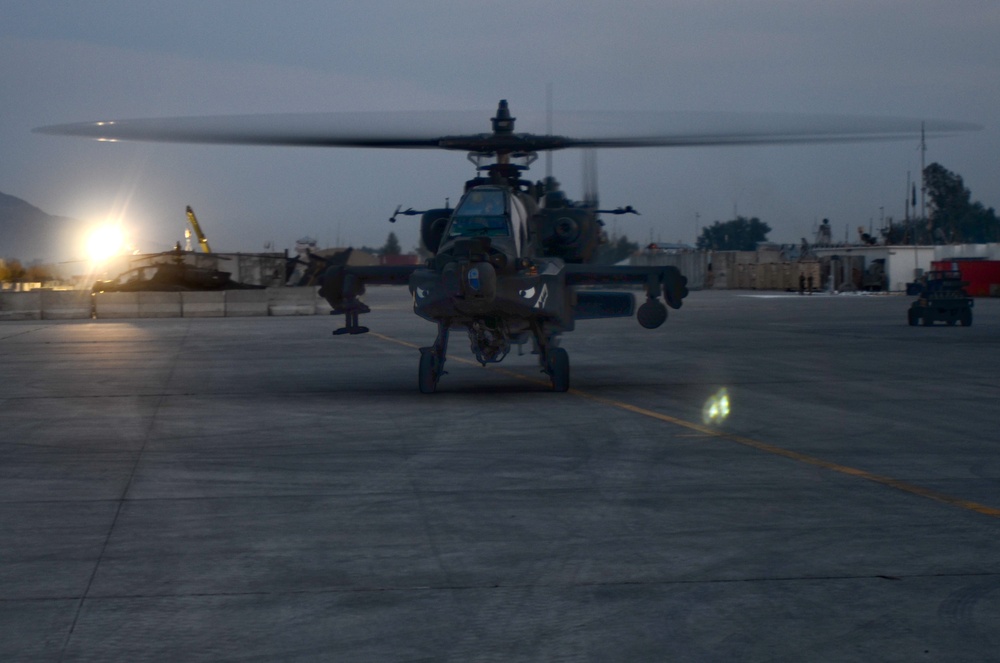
(105, 242)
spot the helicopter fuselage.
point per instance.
(487, 277)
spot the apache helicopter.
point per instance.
(175, 274)
(508, 262)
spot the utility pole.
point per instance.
(906, 200)
(548, 130)
(923, 180)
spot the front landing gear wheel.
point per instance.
(427, 377)
(432, 361)
(558, 369)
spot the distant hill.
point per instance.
(28, 234)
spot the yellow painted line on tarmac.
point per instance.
(399, 341)
(706, 431)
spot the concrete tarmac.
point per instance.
(259, 490)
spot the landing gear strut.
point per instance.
(553, 360)
(351, 325)
(432, 361)
(558, 369)
(344, 300)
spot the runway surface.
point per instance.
(257, 489)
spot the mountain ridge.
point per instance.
(30, 235)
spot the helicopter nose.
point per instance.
(470, 281)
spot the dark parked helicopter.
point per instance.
(172, 275)
(510, 259)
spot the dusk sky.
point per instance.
(66, 62)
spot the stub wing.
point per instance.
(657, 280)
(342, 285)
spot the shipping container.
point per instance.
(981, 275)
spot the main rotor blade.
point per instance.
(391, 130)
(637, 129)
(459, 130)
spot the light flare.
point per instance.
(716, 409)
(105, 242)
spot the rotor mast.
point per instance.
(501, 146)
(503, 125)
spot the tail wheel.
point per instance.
(912, 317)
(559, 369)
(427, 376)
(966, 318)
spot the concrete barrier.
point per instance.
(21, 305)
(67, 304)
(82, 305)
(159, 304)
(211, 304)
(292, 301)
(322, 306)
(111, 305)
(246, 303)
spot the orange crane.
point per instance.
(202, 240)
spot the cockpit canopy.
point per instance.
(482, 213)
(490, 211)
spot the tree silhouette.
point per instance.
(391, 247)
(739, 234)
(11, 270)
(952, 217)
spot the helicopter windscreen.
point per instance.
(481, 214)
